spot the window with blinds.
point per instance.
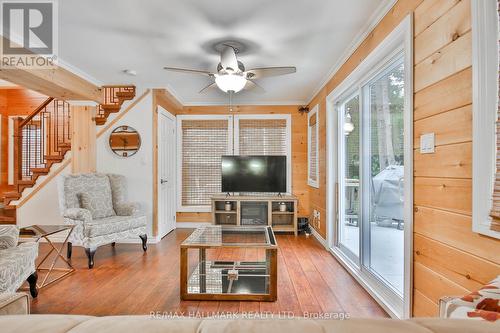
(312, 148)
(262, 136)
(203, 142)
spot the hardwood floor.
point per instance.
(126, 281)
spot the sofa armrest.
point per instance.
(126, 208)
(79, 214)
(9, 235)
(14, 304)
(443, 305)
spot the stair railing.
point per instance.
(43, 134)
(113, 98)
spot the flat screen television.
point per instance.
(254, 174)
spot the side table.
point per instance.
(37, 232)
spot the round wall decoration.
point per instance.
(125, 141)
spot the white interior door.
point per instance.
(166, 172)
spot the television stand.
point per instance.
(279, 212)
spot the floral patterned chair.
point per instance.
(95, 204)
(17, 262)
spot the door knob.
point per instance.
(163, 181)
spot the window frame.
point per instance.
(484, 97)
(229, 151)
(288, 118)
(311, 182)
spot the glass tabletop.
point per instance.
(38, 231)
(231, 236)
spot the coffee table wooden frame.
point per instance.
(271, 259)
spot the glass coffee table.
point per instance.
(229, 263)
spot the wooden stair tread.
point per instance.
(26, 182)
(40, 170)
(53, 157)
(12, 195)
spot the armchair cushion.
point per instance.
(112, 225)
(97, 197)
(79, 214)
(126, 208)
(9, 235)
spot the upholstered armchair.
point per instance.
(17, 262)
(96, 205)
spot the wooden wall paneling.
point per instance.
(448, 28)
(423, 306)
(453, 126)
(464, 269)
(450, 161)
(445, 62)
(444, 193)
(429, 11)
(433, 285)
(83, 139)
(454, 230)
(448, 94)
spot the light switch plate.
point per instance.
(427, 143)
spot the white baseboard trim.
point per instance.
(319, 238)
(191, 225)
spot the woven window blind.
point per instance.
(263, 137)
(203, 144)
(313, 152)
(495, 210)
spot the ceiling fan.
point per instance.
(231, 76)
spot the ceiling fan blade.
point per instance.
(228, 59)
(258, 73)
(188, 71)
(211, 86)
(253, 86)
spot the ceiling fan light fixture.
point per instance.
(230, 82)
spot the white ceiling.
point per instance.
(102, 38)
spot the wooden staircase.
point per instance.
(43, 138)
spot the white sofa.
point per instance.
(95, 203)
(145, 324)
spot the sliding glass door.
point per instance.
(383, 239)
(370, 179)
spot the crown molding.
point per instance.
(372, 22)
(250, 103)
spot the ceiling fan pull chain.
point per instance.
(230, 101)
